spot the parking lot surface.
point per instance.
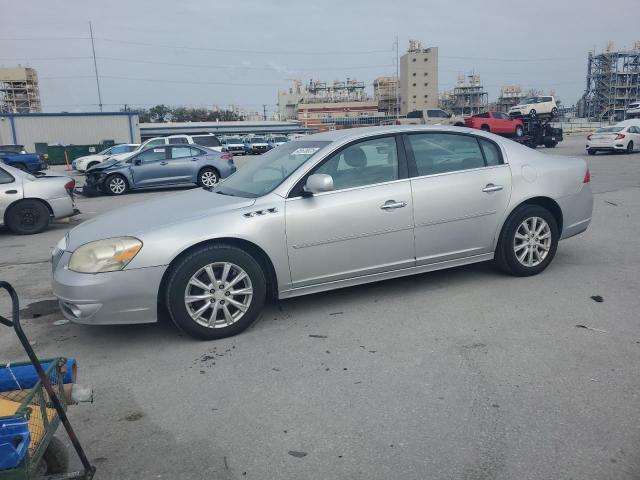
(465, 373)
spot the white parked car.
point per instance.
(633, 109)
(617, 138)
(28, 203)
(81, 164)
(535, 106)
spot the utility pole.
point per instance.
(264, 112)
(95, 66)
(397, 79)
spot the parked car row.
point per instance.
(252, 144)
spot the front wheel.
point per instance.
(485, 128)
(115, 185)
(528, 241)
(591, 151)
(554, 112)
(519, 131)
(27, 217)
(215, 292)
(533, 113)
(551, 144)
(208, 177)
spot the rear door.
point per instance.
(182, 164)
(461, 188)
(502, 123)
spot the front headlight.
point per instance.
(108, 255)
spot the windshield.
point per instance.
(259, 178)
(609, 129)
(234, 140)
(257, 140)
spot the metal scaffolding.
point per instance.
(19, 91)
(613, 82)
(509, 96)
(467, 98)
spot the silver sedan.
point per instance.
(322, 212)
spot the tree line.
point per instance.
(165, 113)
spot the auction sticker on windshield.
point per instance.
(305, 151)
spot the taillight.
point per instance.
(619, 136)
(70, 185)
(227, 157)
(587, 176)
(589, 137)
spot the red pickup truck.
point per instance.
(496, 122)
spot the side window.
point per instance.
(181, 152)
(5, 177)
(491, 152)
(364, 163)
(196, 152)
(547, 99)
(501, 116)
(118, 149)
(153, 155)
(178, 140)
(157, 141)
(482, 115)
(445, 152)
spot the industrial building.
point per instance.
(386, 91)
(613, 82)
(509, 97)
(19, 90)
(468, 97)
(418, 78)
(37, 130)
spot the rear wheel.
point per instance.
(554, 112)
(533, 113)
(519, 131)
(27, 217)
(208, 177)
(528, 241)
(115, 184)
(630, 147)
(215, 292)
(591, 151)
(551, 144)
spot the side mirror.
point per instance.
(137, 161)
(318, 183)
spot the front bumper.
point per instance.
(124, 297)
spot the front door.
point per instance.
(460, 192)
(364, 226)
(148, 167)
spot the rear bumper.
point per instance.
(62, 207)
(125, 297)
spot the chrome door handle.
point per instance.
(492, 188)
(392, 204)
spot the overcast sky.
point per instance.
(243, 51)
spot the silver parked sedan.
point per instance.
(322, 212)
(28, 203)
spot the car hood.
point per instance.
(107, 164)
(135, 220)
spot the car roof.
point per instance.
(355, 133)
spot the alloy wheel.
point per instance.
(218, 295)
(117, 185)
(532, 241)
(209, 178)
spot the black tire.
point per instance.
(554, 112)
(591, 151)
(533, 113)
(181, 273)
(519, 131)
(28, 217)
(206, 175)
(485, 128)
(55, 458)
(459, 124)
(505, 256)
(551, 144)
(630, 147)
(115, 185)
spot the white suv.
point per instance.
(208, 140)
(534, 106)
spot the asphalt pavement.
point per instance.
(465, 373)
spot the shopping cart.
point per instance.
(29, 417)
